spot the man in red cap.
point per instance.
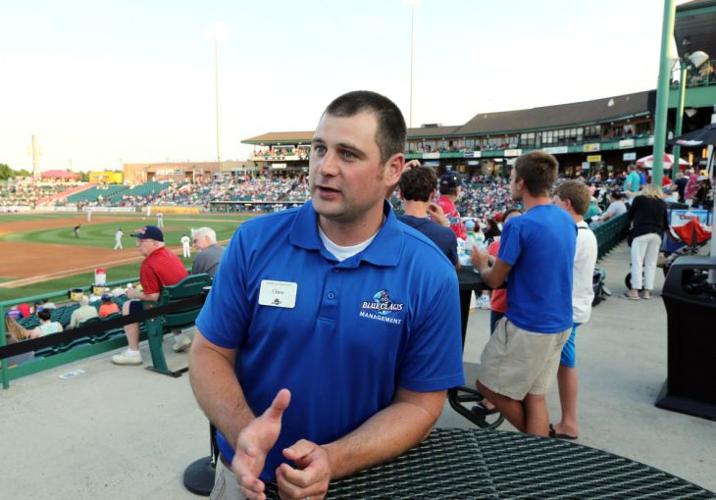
(449, 193)
(160, 268)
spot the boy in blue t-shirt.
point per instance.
(536, 254)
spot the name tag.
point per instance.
(278, 294)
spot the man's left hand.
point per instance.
(311, 478)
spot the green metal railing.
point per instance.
(38, 365)
(610, 233)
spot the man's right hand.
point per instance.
(253, 444)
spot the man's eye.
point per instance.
(318, 149)
(348, 155)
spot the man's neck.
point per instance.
(416, 208)
(577, 218)
(529, 201)
(349, 233)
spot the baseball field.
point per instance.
(40, 254)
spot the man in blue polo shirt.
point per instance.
(332, 331)
(536, 254)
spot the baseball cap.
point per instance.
(149, 233)
(449, 180)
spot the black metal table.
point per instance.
(478, 463)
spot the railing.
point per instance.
(610, 233)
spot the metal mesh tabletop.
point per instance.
(474, 463)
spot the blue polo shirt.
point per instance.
(385, 318)
(540, 246)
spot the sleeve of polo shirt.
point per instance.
(433, 359)
(225, 317)
(510, 244)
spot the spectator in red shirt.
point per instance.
(159, 268)
(449, 193)
(498, 302)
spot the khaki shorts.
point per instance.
(516, 362)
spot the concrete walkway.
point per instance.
(123, 432)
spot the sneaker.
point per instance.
(127, 358)
(181, 343)
(483, 302)
(645, 294)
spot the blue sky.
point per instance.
(102, 83)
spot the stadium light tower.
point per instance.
(217, 33)
(413, 4)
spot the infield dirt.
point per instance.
(23, 263)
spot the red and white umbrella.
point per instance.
(648, 161)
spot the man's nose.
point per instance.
(328, 165)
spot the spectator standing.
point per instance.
(159, 268)
(449, 193)
(290, 307)
(537, 253)
(574, 198)
(681, 183)
(82, 313)
(417, 187)
(210, 253)
(632, 183)
(498, 302)
(647, 214)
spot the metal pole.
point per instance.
(216, 82)
(3, 362)
(676, 150)
(662, 92)
(412, 60)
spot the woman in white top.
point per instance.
(47, 326)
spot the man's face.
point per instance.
(346, 177)
(201, 242)
(145, 246)
(515, 186)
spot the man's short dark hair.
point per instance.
(538, 170)
(391, 132)
(416, 184)
(577, 193)
(45, 315)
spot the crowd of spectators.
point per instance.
(15, 194)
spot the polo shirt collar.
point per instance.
(384, 250)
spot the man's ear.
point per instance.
(393, 168)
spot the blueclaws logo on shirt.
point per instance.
(382, 308)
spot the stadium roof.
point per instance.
(546, 117)
(303, 137)
(432, 131)
(59, 174)
(696, 22)
(561, 115)
(274, 138)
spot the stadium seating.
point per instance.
(191, 286)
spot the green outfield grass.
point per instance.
(101, 234)
(127, 272)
